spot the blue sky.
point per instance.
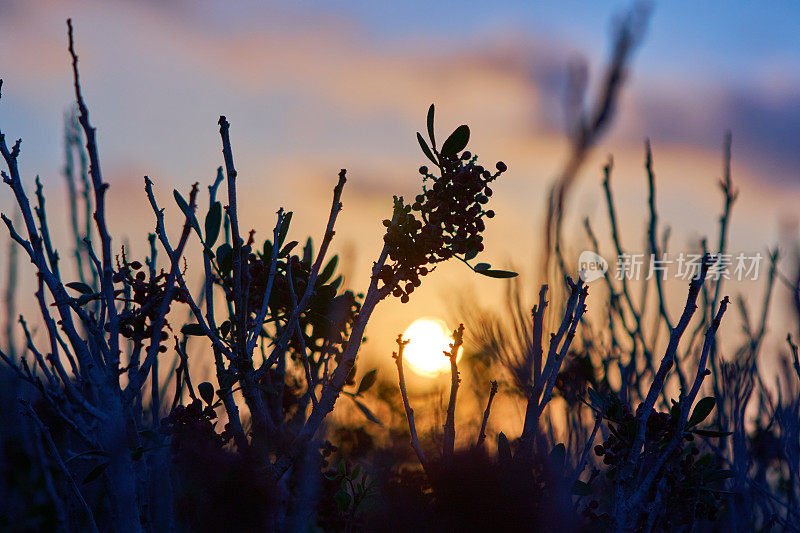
(731, 38)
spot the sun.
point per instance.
(428, 339)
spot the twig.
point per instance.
(398, 359)
(240, 300)
(482, 434)
(27, 409)
(137, 380)
(336, 206)
(598, 419)
(591, 124)
(10, 295)
(795, 360)
(448, 445)
(311, 382)
(100, 188)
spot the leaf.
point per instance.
(225, 257)
(288, 249)
(426, 150)
(308, 251)
(342, 499)
(86, 298)
(719, 475)
(595, 399)
(336, 283)
(188, 212)
(98, 453)
(95, 473)
(675, 410)
(456, 142)
(503, 447)
(711, 433)
(480, 267)
(213, 224)
(430, 125)
(470, 255)
(364, 409)
(181, 202)
(284, 229)
(497, 273)
(704, 461)
(327, 272)
(206, 391)
(80, 287)
(558, 455)
(581, 488)
(367, 381)
(195, 330)
(355, 472)
(702, 410)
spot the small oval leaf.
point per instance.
(456, 142)
(364, 409)
(430, 125)
(188, 212)
(425, 149)
(702, 410)
(213, 224)
(284, 229)
(497, 273)
(82, 288)
(288, 249)
(206, 391)
(367, 381)
(712, 433)
(328, 271)
(95, 473)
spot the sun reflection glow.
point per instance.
(428, 339)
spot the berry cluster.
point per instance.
(455, 201)
(451, 212)
(689, 494)
(615, 449)
(194, 424)
(147, 295)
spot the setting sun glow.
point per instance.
(428, 339)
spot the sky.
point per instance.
(310, 88)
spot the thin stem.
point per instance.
(398, 359)
(485, 421)
(449, 440)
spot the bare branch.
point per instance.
(398, 359)
(449, 441)
(485, 421)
